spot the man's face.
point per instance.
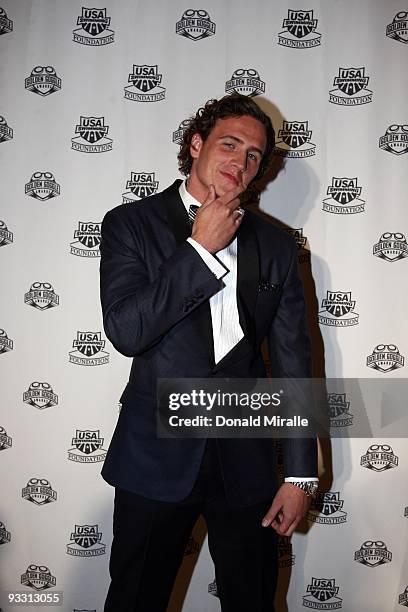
(229, 157)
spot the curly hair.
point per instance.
(233, 105)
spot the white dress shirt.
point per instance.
(227, 331)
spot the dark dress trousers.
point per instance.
(155, 291)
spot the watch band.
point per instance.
(308, 486)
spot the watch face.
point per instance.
(312, 487)
(308, 486)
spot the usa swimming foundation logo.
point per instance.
(301, 242)
(395, 139)
(43, 81)
(88, 349)
(41, 296)
(344, 197)
(286, 558)
(94, 30)
(38, 577)
(295, 140)
(338, 310)
(88, 239)
(379, 458)
(195, 25)
(339, 410)
(140, 185)
(351, 88)
(373, 553)
(6, 237)
(212, 588)
(42, 186)
(85, 541)
(39, 491)
(403, 597)
(6, 344)
(87, 447)
(179, 134)
(6, 132)
(145, 85)
(300, 30)
(398, 28)
(245, 81)
(5, 536)
(323, 595)
(6, 25)
(326, 509)
(92, 136)
(385, 358)
(392, 246)
(40, 395)
(5, 440)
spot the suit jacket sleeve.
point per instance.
(290, 355)
(139, 309)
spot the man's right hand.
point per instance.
(217, 219)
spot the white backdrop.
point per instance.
(79, 137)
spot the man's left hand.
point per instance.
(289, 506)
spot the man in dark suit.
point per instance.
(191, 285)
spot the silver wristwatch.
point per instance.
(308, 486)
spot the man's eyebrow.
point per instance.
(241, 142)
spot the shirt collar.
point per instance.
(186, 197)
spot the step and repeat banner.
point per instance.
(93, 101)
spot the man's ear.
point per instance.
(195, 145)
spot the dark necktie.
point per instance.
(192, 211)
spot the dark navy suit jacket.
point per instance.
(155, 291)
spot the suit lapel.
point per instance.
(248, 277)
(176, 213)
(179, 224)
